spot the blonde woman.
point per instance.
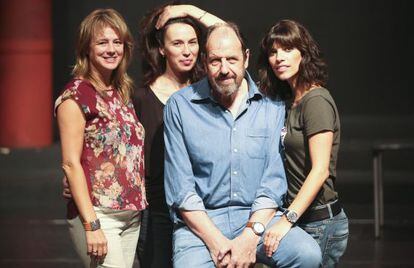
(102, 144)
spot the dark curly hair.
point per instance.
(312, 68)
(151, 39)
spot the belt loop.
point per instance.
(330, 211)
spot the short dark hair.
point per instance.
(312, 68)
(151, 39)
(230, 25)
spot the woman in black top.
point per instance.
(170, 62)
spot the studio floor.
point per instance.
(34, 232)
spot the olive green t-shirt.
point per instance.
(315, 113)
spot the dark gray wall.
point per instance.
(366, 43)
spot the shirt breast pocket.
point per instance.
(257, 142)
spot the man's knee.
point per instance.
(305, 255)
(193, 257)
(189, 250)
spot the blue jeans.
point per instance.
(331, 235)
(296, 249)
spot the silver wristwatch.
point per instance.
(257, 227)
(291, 216)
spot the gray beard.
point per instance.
(224, 91)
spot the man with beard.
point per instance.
(224, 177)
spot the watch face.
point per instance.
(292, 216)
(258, 228)
(95, 225)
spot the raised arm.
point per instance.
(71, 124)
(178, 11)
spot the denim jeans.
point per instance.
(331, 235)
(296, 249)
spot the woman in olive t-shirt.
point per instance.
(291, 67)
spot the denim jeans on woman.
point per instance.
(331, 235)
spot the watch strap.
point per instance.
(250, 224)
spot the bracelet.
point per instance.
(92, 226)
(205, 12)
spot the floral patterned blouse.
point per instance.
(113, 155)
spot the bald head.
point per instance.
(222, 37)
(225, 34)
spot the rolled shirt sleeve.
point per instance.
(178, 175)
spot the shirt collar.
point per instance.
(202, 90)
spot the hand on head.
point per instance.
(171, 12)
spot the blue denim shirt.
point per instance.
(214, 161)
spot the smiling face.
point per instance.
(180, 47)
(285, 62)
(226, 63)
(106, 51)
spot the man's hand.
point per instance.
(218, 245)
(220, 253)
(243, 249)
(274, 234)
(67, 194)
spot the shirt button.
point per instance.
(235, 172)
(235, 195)
(234, 129)
(235, 150)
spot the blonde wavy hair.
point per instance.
(91, 25)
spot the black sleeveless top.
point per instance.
(149, 110)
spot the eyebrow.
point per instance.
(181, 40)
(105, 38)
(231, 56)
